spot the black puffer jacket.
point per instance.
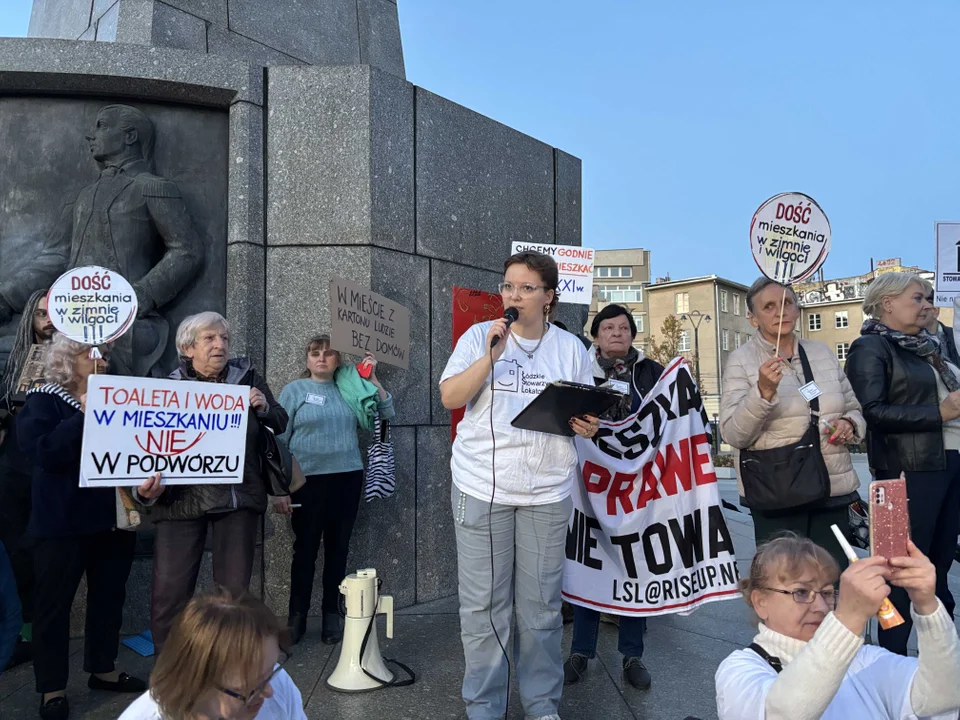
(898, 393)
(188, 502)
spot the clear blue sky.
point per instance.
(688, 115)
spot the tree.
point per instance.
(669, 347)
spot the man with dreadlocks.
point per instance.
(35, 328)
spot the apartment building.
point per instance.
(621, 276)
(694, 300)
(831, 311)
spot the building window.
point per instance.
(736, 339)
(620, 293)
(723, 301)
(813, 322)
(842, 350)
(724, 340)
(682, 302)
(736, 304)
(613, 272)
(684, 344)
(841, 320)
(639, 321)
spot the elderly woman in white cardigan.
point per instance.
(808, 660)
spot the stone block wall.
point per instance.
(393, 187)
(274, 32)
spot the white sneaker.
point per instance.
(547, 717)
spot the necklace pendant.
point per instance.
(529, 356)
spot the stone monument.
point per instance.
(130, 221)
(333, 164)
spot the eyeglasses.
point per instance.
(525, 290)
(805, 596)
(253, 697)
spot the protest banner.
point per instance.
(192, 433)
(789, 237)
(469, 308)
(575, 265)
(92, 305)
(947, 282)
(363, 321)
(647, 535)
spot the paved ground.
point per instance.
(682, 654)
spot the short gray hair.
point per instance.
(761, 284)
(60, 359)
(887, 285)
(191, 326)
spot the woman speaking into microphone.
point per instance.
(510, 516)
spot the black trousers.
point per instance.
(330, 504)
(934, 521)
(106, 558)
(178, 552)
(813, 524)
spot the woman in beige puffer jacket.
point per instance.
(749, 421)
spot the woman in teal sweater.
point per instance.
(326, 407)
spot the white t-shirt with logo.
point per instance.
(285, 704)
(532, 468)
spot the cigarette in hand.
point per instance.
(887, 616)
(295, 506)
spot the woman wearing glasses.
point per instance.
(512, 526)
(222, 661)
(809, 660)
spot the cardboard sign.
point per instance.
(33, 370)
(575, 265)
(469, 308)
(789, 237)
(192, 433)
(92, 305)
(647, 535)
(362, 321)
(947, 282)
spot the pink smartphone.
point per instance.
(889, 518)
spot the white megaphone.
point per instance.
(364, 603)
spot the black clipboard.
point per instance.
(551, 410)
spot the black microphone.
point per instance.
(512, 315)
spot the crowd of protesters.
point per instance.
(221, 654)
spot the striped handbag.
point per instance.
(381, 467)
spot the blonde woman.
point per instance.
(223, 659)
(910, 392)
(808, 660)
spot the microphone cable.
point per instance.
(493, 492)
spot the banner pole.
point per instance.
(783, 300)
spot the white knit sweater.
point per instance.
(836, 677)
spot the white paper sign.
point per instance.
(576, 269)
(947, 282)
(789, 237)
(192, 433)
(647, 535)
(92, 305)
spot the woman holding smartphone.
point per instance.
(327, 406)
(510, 518)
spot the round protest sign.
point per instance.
(92, 305)
(789, 237)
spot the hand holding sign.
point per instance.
(151, 488)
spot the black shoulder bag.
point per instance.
(772, 661)
(791, 476)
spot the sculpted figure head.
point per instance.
(121, 132)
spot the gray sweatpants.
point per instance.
(528, 555)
